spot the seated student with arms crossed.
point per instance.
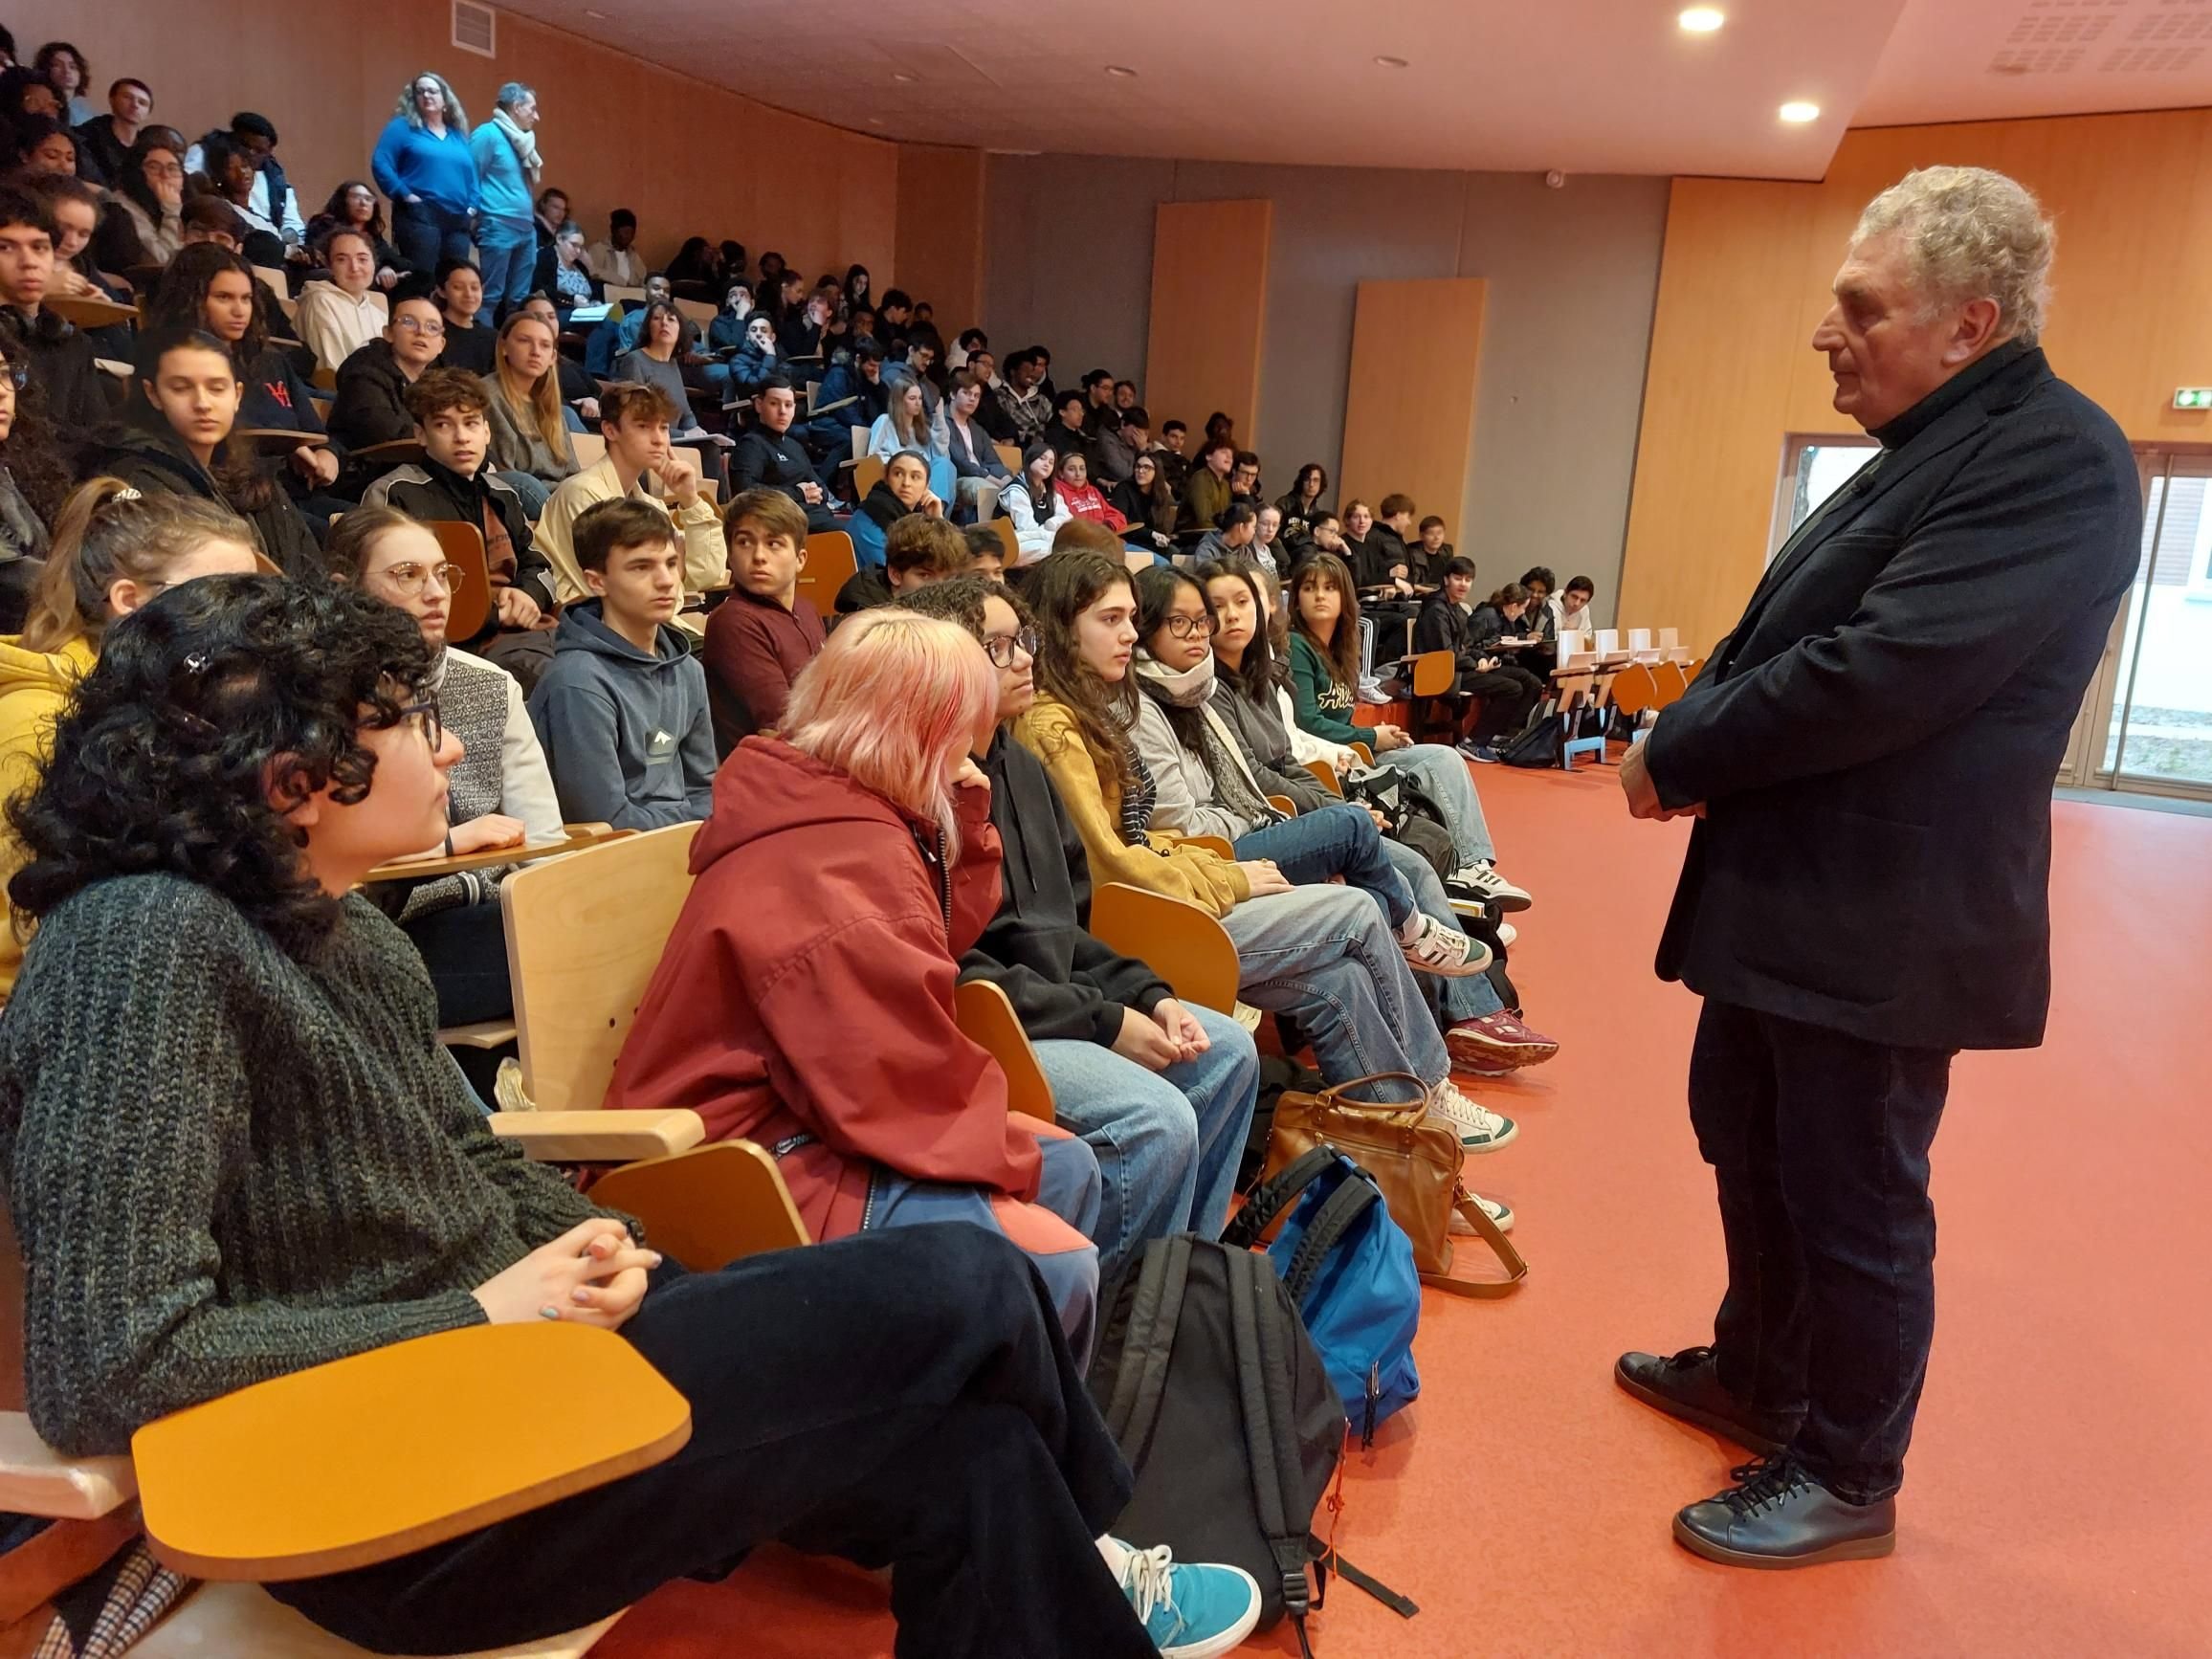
(1321, 954)
(805, 1000)
(453, 482)
(1161, 1092)
(760, 637)
(640, 465)
(499, 793)
(918, 551)
(249, 749)
(621, 712)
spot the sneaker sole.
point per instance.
(1850, 1550)
(1471, 1050)
(1226, 1641)
(1712, 1422)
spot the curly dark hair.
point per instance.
(31, 452)
(163, 763)
(180, 298)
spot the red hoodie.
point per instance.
(807, 990)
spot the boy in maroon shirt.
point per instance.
(761, 637)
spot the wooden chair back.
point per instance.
(699, 311)
(867, 473)
(1325, 775)
(1010, 544)
(623, 296)
(1184, 945)
(1691, 669)
(1284, 804)
(280, 286)
(1635, 689)
(471, 605)
(1365, 754)
(1672, 681)
(709, 1207)
(590, 449)
(830, 563)
(584, 934)
(1434, 674)
(987, 1019)
(1010, 457)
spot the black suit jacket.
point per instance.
(1877, 738)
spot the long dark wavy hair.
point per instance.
(1256, 678)
(245, 485)
(183, 291)
(341, 219)
(1065, 585)
(30, 453)
(222, 694)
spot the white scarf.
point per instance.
(1233, 782)
(525, 145)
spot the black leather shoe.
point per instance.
(1778, 1515)
(1688, 1386)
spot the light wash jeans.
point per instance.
(1324, 955)
(1468, 997)
(1167, 1142)
(534, 492)
(1442, 775)
(507, 254)
(1332, 840)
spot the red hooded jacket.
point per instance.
(807, 990)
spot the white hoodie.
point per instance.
(334, 325)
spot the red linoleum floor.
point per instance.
(2059, 1496)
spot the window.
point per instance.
(1812, 470)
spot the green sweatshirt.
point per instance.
(225, 1164)
(1322, 706)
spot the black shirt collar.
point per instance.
(1950, 396)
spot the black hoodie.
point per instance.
(158, 461)
(371, 402)
(1064, 983)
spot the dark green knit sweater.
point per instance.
(225, 1164)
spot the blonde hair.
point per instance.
(455, 116)
(105, 532)
(893, 701)
(1970, 233)
(544, 408)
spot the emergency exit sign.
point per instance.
(2193, 397)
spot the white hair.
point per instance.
(1970, 233)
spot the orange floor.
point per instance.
(2060, 1494)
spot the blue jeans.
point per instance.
(1442, 775)
(509, 256)
(570, 419)
(1468, 997)
(1337, 839)
(1167, 1142)
(534, 491)
(1324, 955)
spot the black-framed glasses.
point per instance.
(1191, 627)
(423, 713)
(1003, 648)
(18, 373)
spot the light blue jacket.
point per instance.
(503, 191)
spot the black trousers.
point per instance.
(901, 1399)
(1819, 1145)
(1503, 699)
(465, 948)
(425, 233)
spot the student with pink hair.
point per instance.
(805, 1000)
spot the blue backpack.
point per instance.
(1349, 1267)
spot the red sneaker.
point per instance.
(1498, 1039)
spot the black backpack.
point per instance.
(1213, 1391)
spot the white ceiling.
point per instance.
(1591, 86)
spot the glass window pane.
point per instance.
(2168, 698)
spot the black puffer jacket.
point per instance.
(1063, 983)
(158, 461)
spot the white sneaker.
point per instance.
(1507, 933)
(1371, 690)
(1480, 1129)
(1433, 948)
(1500, 1216)
(1482, 879)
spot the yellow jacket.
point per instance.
(33, 686)
(1161, 864)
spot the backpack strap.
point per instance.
(1340, 1212)
(1263, 1374)
(1516, 1270)
(1275, 1195)
(1149, 1344)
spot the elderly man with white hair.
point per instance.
(1870, 753)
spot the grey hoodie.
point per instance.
(626, 735)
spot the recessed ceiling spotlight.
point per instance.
(1389, 62)
(874, 121)
(905, 77)
(596, 17)
(1798, 112)
(1122, 70)
(1701, 20)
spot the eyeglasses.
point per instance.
(163, 170)
(424, 715)
(16, 374)
(1003, 648)
(433, 327)
(409, 578)
(1191, 627)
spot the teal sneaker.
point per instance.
(1189, 1611)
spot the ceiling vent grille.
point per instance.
(475, 29)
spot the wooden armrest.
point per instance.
(35, 1479)
(482, 1034)
(372, 1457)
(596, 832)
(709, 1207)
(1365, 754)
(987, 1018)
(1325, 775)
(599, 1137)
(1284, 804)
(491, 858)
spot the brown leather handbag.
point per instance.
(1415, 1160)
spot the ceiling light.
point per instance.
(1121, 70)
(874, 121)
(905, 77)
(1388, 62)
(1798, 112)
(1701, 20)
(597, 16)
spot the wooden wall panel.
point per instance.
(618, 131)
(1209, 287)
(1414, 435)
(940, 256)
(1732, 372)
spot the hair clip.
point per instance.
(196, 663)
(128, 493)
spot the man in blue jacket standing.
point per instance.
(508, 169)
(1870, 753)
